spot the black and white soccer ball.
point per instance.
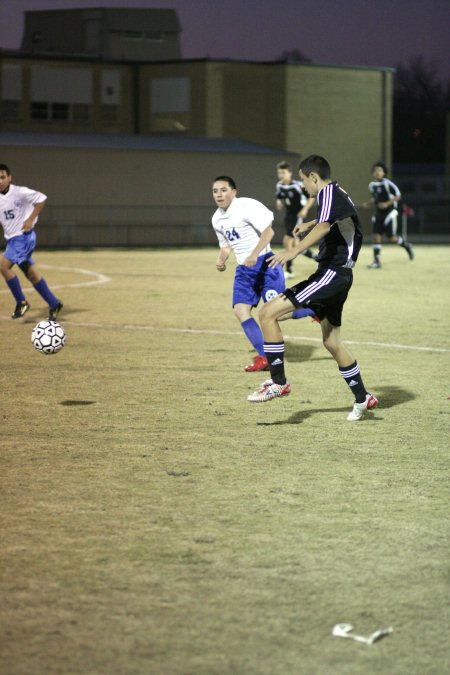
(48, 337)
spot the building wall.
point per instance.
(114, 197)
(344, 115)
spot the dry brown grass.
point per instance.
(154, 522)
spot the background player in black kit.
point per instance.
(291, 197)
(337, 228)
(385, 195)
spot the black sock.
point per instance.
(353, 378)
(289, 266)
(308, 253)
(376, 252)
(274, 352)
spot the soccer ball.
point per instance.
(48, 337)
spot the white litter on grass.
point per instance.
(344, 630)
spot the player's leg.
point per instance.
(12, 280)
(348, 368)
(269, 316)
(377, 230)
(254, 335)
(391, 233)
(29, 269)
(288, 243)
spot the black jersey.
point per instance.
(292, 195)
(382, 191)
(341, 245)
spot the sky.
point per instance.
(339, 32)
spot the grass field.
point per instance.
(155, 523)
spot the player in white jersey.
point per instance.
(244, 225)
(19, 211)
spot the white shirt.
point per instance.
(240, 226)
(16, 206)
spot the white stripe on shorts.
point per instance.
(315, 285)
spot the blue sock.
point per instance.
(46, 293)
(302, 312)
(16, 289)
(253, 332)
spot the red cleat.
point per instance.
(259, 363)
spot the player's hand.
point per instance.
(280, 258)
(300, 228)
(251, 261)
(27, 225)
(220, 266)
(383, 205)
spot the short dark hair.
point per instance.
(4, 167)
(284, 165)
(226, 179)
(382, 165)
(317, 164)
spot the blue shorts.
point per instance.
(19, 249)
(253, 283)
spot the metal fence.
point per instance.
(108, 225)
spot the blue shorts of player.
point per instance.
(325, 292)
(19, 249)
(260, 281)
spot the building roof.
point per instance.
(121, 18)
(156, 142)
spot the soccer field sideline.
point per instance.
(201, 331)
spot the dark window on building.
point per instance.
(59, 111)
(39, 110)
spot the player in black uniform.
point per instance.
(385, 195)
(291, 197)
(338, 229)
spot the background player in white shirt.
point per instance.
(19, 211)
(244, 225)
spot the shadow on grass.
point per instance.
(296, 353)
(388, 396)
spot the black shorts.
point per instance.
(385, 222)
(325, 292)
(290, 221)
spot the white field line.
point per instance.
(204, 331)
(103, 279)
(98, 278)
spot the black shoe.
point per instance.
(409, 251)
(54, 311)
(21, 309)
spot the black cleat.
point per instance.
(21, 309)
(54, 311)
(409, 251)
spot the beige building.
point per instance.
(342, 113)
(105, 72)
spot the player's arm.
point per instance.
(280, 205)
(28, 222)
(222, 258)
(301, 228)
(304, 211)
(368, 204)
(390, 202)
(315, 235)
(266, 237)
